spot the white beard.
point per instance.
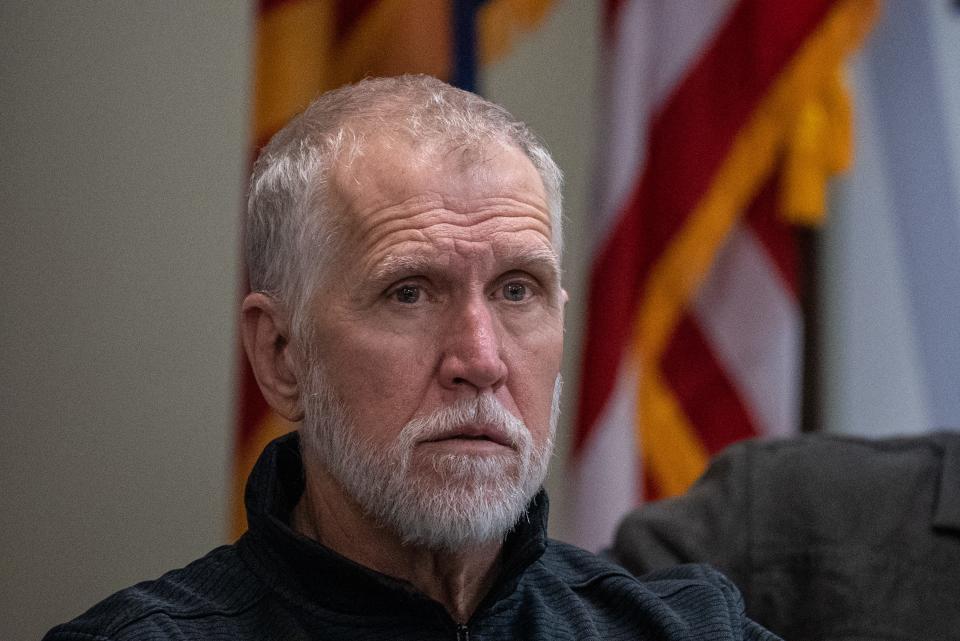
(441, 501)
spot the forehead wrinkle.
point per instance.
(417, 226)
(431, 202)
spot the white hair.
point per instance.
(290, 233)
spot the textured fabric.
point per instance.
(275, 584)
(828, 538)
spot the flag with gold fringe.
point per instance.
(722, 122)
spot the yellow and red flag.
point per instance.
(723, 120)
(305, 47)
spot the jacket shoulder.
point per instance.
(578, 567)
(216, 585)
(690, 602)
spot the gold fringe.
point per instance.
(806, 117)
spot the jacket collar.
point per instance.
(316, 575)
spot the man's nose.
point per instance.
(471, 349)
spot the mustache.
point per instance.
(484, 411)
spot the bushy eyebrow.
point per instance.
(536, 259)
(393, 267)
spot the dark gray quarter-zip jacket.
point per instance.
(274, 584)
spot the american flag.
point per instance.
(722, 121)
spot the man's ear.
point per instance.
(266, 340)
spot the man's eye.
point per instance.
(515, 292)
(407, 294)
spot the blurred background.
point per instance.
(126, 130)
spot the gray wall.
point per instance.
(123, 131)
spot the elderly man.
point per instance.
(403, 239)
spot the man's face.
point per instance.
(445, 289)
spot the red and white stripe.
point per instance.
(735, 354)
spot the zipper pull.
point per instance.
(463, 633)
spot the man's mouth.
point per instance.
(473, 433)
